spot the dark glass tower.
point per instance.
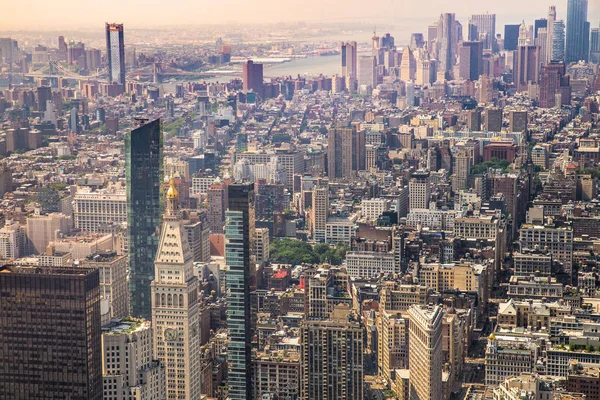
(50, 335)
(144, 168)
(238, 231)
(511, 37)
(115, 51)
(578, 31)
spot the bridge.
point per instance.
(53, 69)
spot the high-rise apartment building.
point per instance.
(252, 77)
(419, 191)
(493, 120)
(319, 212)
(175, 306)
(578, 31)
(217, 204)
(238, 233)
(144, 169)
(129, 370)
(349, 63)
(115, 52)
(486, 29)
(50, 336)
(425, 352)
(331, 363)
(517, 121)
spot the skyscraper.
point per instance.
(471, 60)
(340, 153)
(493, 120)
(425, 352)
(447, 36)
(555, 88)
(175, 305)
(319, 210)
(144, 169)
(578, 31)
(550, 33)
(511, 37)
(558, 41)
(238, 231)
(595, 46)
(419, 191)
(538, 24)
(115, 51)
(348, 56)
(366, 71)
(50, 336)
(486, 29)
(252, 77)
(332, 357)
(526, 67)
(408, 65)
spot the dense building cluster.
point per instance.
(421, 225)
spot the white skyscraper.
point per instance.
(175, 306)
(366, 72)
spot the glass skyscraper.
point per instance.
(558, 41)
(238, 231)
(115, 52)
(578, 31)
(144, 168)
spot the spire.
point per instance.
(172, 200)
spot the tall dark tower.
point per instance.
(239, 229)
(578, 31)
(144, 168)
(50, 335)
(115, 52)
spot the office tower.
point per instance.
(462, 168)
(50, 336)
(62, 46)
(595, 46)
(419, 190)
(144, 170)
(493, 120)
(331, 363)
(408, 65)
(541, 42)
(486, 29)
(447, 35)
(539, 24)
(471, 60)
(348, 72)
(517, 121)
(129, 370)
(474, 120)
(417, 41)
(511, 37)
(555, 86)
(175, 305)
(44, 94)
(252, 77)
(237, 256)
(550, 33)
(425, 352)
(115, 52)
(526, 67)
(410, 94)
(319, 211)
(366, 71)
(74, 120)
(578, 31)
(340, 153)
(99, 210)
(558, 41)
(261, 245)
(113, 280)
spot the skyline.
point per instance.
(38, 15)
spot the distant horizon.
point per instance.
(71, 15)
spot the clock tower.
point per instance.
(175, 306)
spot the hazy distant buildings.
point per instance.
(349, 64)
(367, 76)
(471, 60)
(115, 51)
(485, 25)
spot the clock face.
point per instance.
(171, 334)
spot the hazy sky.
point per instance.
(73, 14)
